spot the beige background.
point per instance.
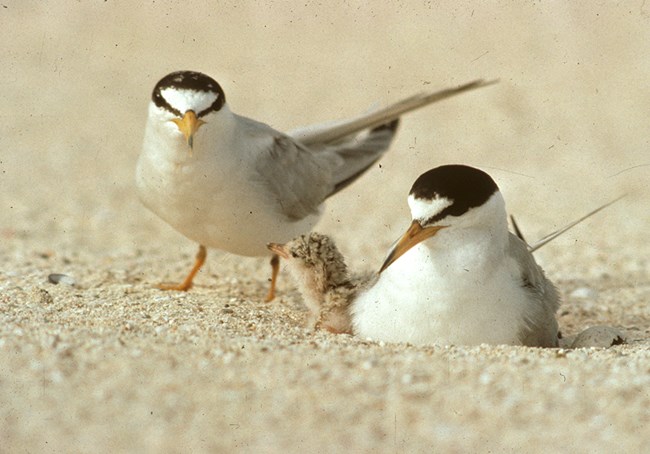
(114, 364)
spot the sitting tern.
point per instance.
(458, 276)
(416, 304)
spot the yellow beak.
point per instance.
(188, 125)
(415, 234)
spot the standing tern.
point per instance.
(232, 183)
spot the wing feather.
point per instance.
(540, 327)
(298, 179)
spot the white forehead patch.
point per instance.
(184, 99)
(425, 209)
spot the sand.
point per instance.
(110, 364)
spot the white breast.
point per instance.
(446, 296)
(213, 196)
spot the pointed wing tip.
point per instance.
(548, 238)
(424, 98)
(517, 230)
(478, 83)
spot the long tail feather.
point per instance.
(376, 118)
(550, 237)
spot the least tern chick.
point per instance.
(458, 276)
(232, 183)
(322, 277)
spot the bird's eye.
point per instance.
(294, 254)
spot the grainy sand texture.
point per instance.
(111, 364)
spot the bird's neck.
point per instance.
(463, 252)
(164, 142)
(215, 136)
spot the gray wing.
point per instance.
(305, 167)
(301, 178)
(541, 329)
(297, 178)
(361, 153)
(333, 131)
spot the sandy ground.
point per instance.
(113, 365)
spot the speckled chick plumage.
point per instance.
(321, 274)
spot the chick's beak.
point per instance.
(415, 234)
(188, 125)
(278, 249)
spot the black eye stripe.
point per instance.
(216, 105)
(188, 80)
(160, 101)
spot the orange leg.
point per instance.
(187, 283)
(275, 268)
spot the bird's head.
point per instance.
(313, 257)
(449, 197)
(186, 98)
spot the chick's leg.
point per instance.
(275, 268)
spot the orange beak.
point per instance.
(188, 125)
(414, 235)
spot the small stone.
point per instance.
(57, 278)
(599, 336)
